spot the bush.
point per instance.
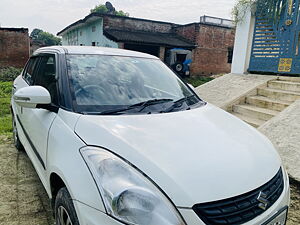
(5, 116)
(9, 73)
(5, 90)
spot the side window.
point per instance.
(29, 71)
(46, 76)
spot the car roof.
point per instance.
(93, 50)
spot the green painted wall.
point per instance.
(87, 34)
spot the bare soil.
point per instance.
(23, 199)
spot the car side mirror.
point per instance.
(30, 97)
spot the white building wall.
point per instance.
(243, 43)
(88, 33)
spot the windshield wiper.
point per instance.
(143, 105)
(151, 102)
(178, 103)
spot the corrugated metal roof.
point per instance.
(161, 39)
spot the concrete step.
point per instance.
(264, 102)
(250, 120)
(288, 78)
(280, 95)
(284, 85)
(255, 112)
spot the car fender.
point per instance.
(64, 155)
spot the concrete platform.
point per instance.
(227, 89)
(283, 129)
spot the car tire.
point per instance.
(178, 67)
(65, 213)
(16, 140)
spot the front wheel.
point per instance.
(65, 213)
(16, 139)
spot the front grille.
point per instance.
(242, 208)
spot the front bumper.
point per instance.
(90, 216)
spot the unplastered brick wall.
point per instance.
(211, 54)
(189, 31)
(136, 24)
(14, 47)
(213, 43)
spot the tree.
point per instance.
(121, 13)
(35, 33)
(108, 9)
(49, 39)
(99, 9)
(45, 37)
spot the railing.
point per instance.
(216, 21)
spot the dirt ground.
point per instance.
(23, 200)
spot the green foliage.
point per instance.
(5, 124)
(197, 81)
(5, 115)
(47, 38)
(269, 9)
(9, 73)
(240, 8)
(35, 33)
(121, 13)
(5, 90)
(99, 9)
(102, 9)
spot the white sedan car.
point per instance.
(117, 138)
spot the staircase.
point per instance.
(268, 101)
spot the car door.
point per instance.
(37, 122)
(24, 81)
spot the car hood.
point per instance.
(195, 156)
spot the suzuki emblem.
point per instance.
(263, 202)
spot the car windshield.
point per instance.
(102, 83)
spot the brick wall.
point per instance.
(134, 24)
(189, 31)
(211, 54)
(14, 47)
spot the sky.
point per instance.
(54, 15)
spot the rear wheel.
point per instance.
(16, 139)
(65, 213)
(178, 67)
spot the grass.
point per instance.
(197, 81)
(5, 115)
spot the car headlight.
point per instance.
(128, 195)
